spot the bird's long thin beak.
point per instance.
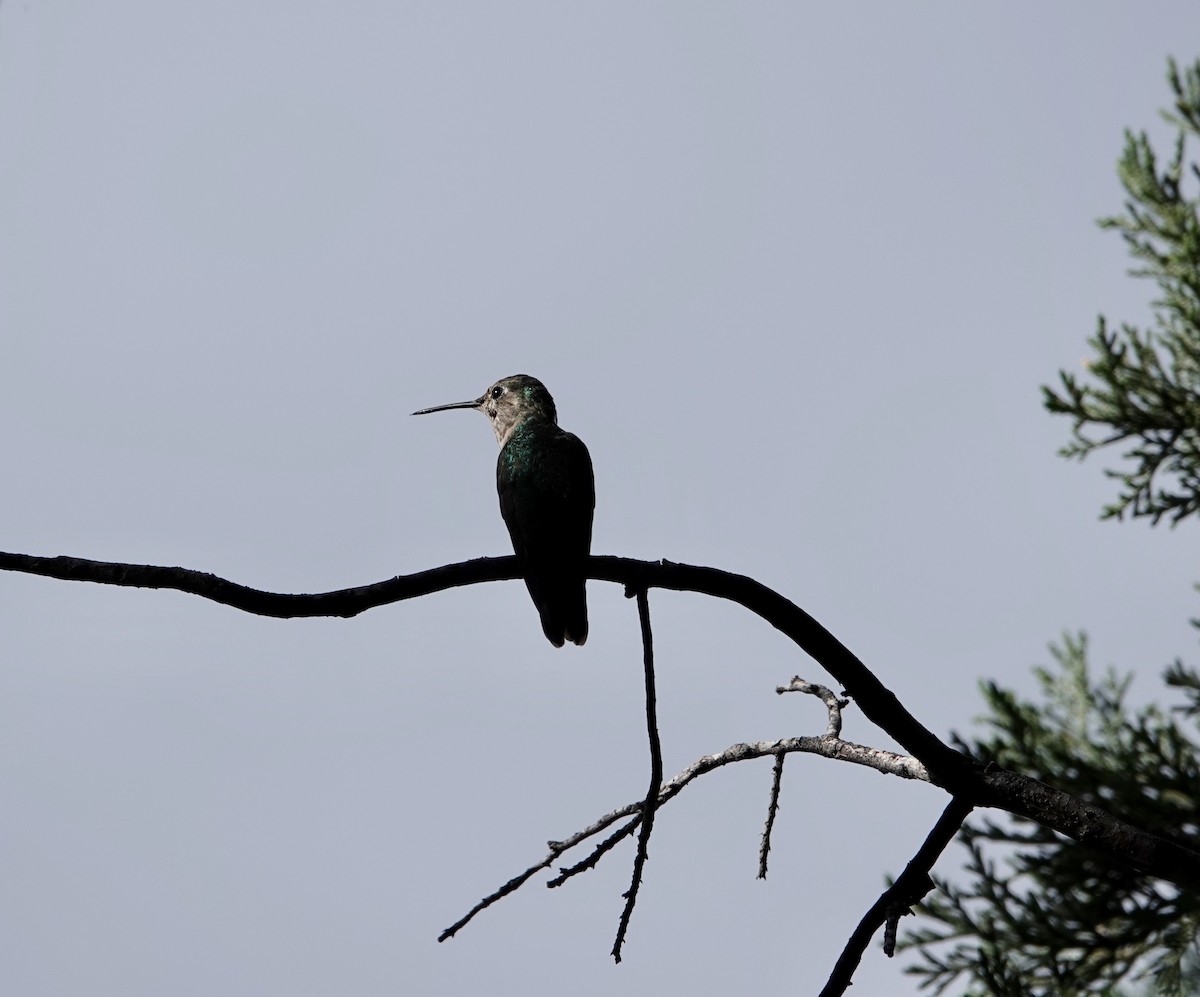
(442, 408)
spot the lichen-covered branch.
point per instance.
(887, 762)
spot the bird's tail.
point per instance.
(564, 613)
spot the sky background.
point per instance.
(793, 272)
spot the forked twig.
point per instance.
(887, 762)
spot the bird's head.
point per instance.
(508, 403)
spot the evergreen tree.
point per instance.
(1039, 914)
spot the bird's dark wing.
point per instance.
(547, 498)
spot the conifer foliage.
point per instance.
(1039, 914)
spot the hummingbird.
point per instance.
(547, 497)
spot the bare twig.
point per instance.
(887, 762)
(910, 886)
(651, 802)
(832, 703)
(602, 849)
(772, 810)
(511, 886)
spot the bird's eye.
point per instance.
(497, 391)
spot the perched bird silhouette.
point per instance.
(547, 496)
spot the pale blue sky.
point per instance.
(794, 273)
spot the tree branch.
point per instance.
(874, 699)
(887, 762)
(910, 886)
(832, 703)
(833, 730)
(764, 847)
(650, 805)
(953, 771)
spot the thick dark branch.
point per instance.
(281, 605)
(910, 886)
(947, 768)
(1090, 825)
